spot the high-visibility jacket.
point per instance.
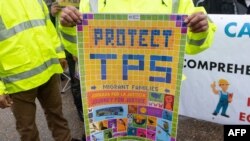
(29, 46)
(196, 43)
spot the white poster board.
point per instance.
(227, 61)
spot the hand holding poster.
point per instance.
(131, 69)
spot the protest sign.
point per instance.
(130, 71)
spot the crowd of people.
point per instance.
(35, 39)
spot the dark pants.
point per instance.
(24, 110)
(222, 104)
(75, 85)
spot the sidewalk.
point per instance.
(189, 129)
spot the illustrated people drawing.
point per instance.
(169, 102)
(225, 97)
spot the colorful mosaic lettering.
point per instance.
(131, 69)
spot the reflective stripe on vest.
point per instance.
(93, 4)
(30, 73)
(7, 33)
(2, 26)
(59, 49)
(46, 16)
(41, 3)
(175, 6)
(68, 37)
(196, 42)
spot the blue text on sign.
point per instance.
(140, 67)
(125, 37)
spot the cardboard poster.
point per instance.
(130, 71)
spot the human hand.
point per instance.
(5, 101)
(63, 63)
(197, 22)
(55, 8)
(70, 16)
(213, 85)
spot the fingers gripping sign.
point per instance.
(197, 22)
(70, 16)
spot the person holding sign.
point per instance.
(200, 34)
(31, 59)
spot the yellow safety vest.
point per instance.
(196, 43)
(29, 45)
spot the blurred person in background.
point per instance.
(71, 60)
(245, 3)
(223, 6)
(31, 59)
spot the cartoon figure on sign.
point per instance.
(163, 130)
(225, 97)
(112, 124)
(102, 126)
(164, 127)
(141, 132)
(169, 102)
(108, 133)
(132, 109)
(139, 121)
(122, 124)
(93, 127)
(94, 138)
